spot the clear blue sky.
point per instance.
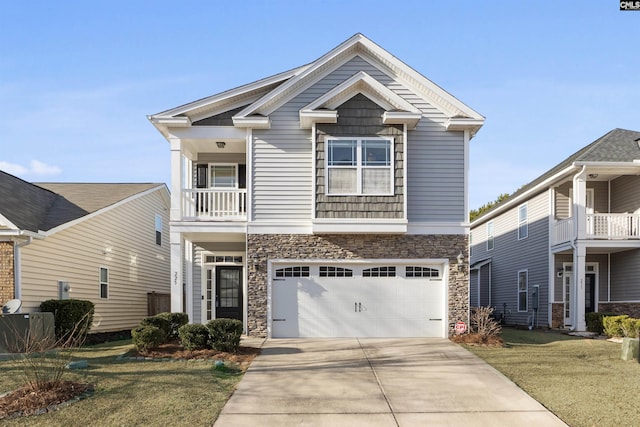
(77, 79)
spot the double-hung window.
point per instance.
(104, 282)
(359, 166)
(523, 227)
(523, 290)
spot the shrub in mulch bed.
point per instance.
(28, 401)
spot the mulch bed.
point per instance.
(173, 350)
(476, 339)
(27, 401)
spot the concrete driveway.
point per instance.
(377, 382)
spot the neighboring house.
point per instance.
(567, 243)
(107, 243)
(326, 201)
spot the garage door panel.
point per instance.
(357, 306)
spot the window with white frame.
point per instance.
(490, 241)
(104, 282)
(158, 230)
(523, 289)
(359, 166)
(223, 176)
(523, 222)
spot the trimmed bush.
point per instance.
(159, 322)
(225, 334)
(594, 322)
(146, 337)
(194, 336)
(613, 325)
(73, 317)
(630, 327)
(176, 320)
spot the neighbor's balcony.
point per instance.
(214, 204)
(600, 226)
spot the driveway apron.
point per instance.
(377, 382)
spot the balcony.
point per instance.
(209, 204)
(600, 226)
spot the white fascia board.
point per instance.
(429, 228)
(212, 227)
(633, 164)
(401, 118)
(464, 123)
(209, 132)
(359, 226)
(524, 196)
(276, 227)
(309, 117)
(66, 225)
(6, 223)
(182, 121)
(254, 122)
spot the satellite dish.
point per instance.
(11, 306)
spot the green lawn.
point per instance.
(582, 381)
(133, 393)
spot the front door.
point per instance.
(229, 292)
(589, 293)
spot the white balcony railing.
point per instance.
(211, 204)
(608, 226)
(613, 226)
(562, 231)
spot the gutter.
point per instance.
(17, 270)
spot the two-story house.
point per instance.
(325, 201)
(567, 243)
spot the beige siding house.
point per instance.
(326, 201)
(107, 243)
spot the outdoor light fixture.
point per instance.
(593, 175)
(221, 144)
(460, 259)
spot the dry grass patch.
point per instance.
(582, 381)
(172, 393)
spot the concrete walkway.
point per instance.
(377, 382)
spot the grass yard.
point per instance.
(582, 381)
(135, 393)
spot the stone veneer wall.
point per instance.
(630, 308)
(557, 315)
(263, 247)
(7, 276)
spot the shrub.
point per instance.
(72, 317)
(225, 334)
(194, 336)
(159, 322)
(630, 327)
(176, 320)
(484, 324)
(146, 337)
(613, 325)
(594, 322)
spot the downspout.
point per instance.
(573, 245)
(17, 270)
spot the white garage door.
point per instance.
(357, 300)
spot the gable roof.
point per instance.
(44, 206)
(277, 90)
(616, 146)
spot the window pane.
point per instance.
(376, 181)
(223, 176)
(342, 181)
(104, 275)
(376, 153)
(341, 153)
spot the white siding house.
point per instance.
(329, 200)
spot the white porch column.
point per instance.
(177, 172)
(176, 271)
(579, 265)
(580, 204)
(188, 259)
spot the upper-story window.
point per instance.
(490, 236)
(220, 175)
(158, 230)
(523, 222)
(359, 166)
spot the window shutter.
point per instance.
(201, 175)
(242, 176)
